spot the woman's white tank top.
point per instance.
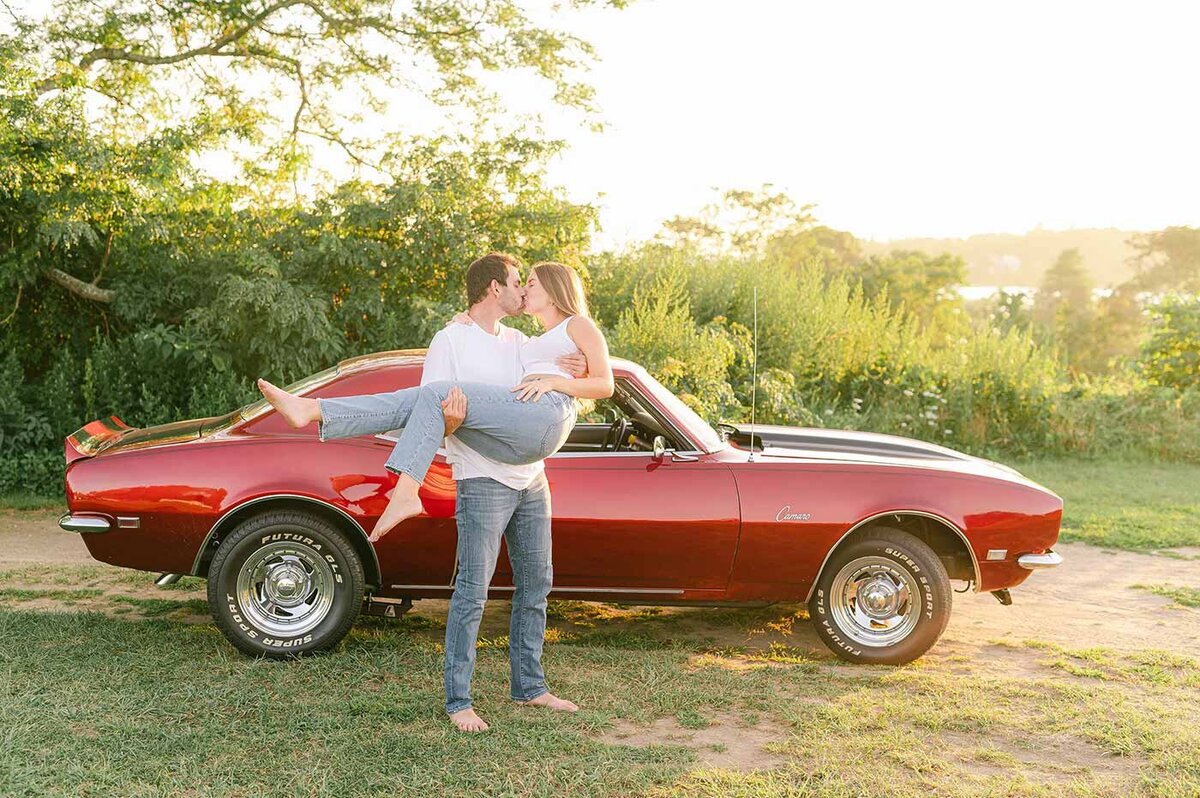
(538, 354)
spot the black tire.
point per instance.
(846, 625)
(272, 560)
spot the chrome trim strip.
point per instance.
(1035, 562)
(637, 590)
(833, 548)
(84, 524)
(620, 454)
(556, 455)
(309, 499)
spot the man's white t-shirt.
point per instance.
(467, 353)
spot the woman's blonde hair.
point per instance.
(562, 286)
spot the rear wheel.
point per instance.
(883, 599)
(285, 583)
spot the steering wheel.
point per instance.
(615, 435)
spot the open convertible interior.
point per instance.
(625, 422)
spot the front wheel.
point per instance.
(285, 583)
(882, 599)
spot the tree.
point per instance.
(1063, 309)
(741, 222)
(921, 282)
(1168, 260)
(104, 106)
(838, 250)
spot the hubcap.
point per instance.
(286, 589)
(872, 600)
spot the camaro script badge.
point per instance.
(785, 515)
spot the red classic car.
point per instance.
(651, 505)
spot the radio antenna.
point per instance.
(753, 376)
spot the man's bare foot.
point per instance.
(405, 503)
(550, 701)
(296, 410)
(466, 720)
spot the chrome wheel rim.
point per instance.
(874, 601)
(285, 589)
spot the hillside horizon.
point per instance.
(1011, 259)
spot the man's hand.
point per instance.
(454, 408)
(575, 364)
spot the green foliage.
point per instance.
(918, 281)
(658, 332)
(1171, 356)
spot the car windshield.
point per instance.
(708, 438)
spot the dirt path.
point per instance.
(33, 536)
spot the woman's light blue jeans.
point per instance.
(498, 424)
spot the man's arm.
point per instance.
(440, 364)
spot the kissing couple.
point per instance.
(503, 402)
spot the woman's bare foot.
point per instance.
(550, 701)
(466, 720)
(296, 410)
(405, 503)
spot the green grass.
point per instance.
(21, 594)
(1183, 596)
(96, 705)
(22, 501)
(1139, 506)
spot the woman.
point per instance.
(517, 426)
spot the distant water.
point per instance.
(972, 292)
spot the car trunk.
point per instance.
(108, 435)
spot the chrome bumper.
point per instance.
(1036, 562)
(83, 523)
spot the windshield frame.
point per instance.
(696, 429)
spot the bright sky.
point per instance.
(897, 119)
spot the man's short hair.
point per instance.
(492, 266)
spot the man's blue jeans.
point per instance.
(485, 510)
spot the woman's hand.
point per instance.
(462, 317)
(536, 386)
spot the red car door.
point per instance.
(623, 522)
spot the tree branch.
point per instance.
(104, 257)
(333, 138)
(16, 305)
(79, 287)
(213, 48)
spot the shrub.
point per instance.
(1171, 356)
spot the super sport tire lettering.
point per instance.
(906, 555)
(305, 537)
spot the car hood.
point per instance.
(840, 441)
(815, 443)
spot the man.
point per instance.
(494, 499)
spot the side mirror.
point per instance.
(660, 447)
